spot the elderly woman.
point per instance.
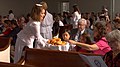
(112, 58)
(100, 46)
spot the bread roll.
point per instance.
(56, 41)
(63, 43)
(59, 42)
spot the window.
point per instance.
(65, 6)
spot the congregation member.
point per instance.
(6, 28)
(31, 32)
(11, 15)
(100, 46)
(15, 30)
(112, 58)
(117, 23)
(78, 34)
(56, 25)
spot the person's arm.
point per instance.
(85, 46)
(40, 41)
(1, 34)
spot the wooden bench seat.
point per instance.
(5, 49)
(3, 64)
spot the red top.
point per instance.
(7, 31)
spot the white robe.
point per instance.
(27, 36)
(46, 26)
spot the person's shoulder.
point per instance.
(89, 30)
(34, 23)
(48, 13)
(76, 12)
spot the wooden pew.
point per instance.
(52, 58)
(3, 64)
(5, 49)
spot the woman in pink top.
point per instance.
(100, 46)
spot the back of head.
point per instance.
(100, 26)
(8, 22)
(76, 8)
(10, 11)
(113, 35)
(117, 23)
(114, 39)
(44, 5)
(14, 22)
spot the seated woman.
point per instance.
(100, 46)
(112, 58)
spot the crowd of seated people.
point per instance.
(10, 28)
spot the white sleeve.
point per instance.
(40, 41)
(77, 16)
(61, 23)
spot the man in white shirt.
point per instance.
(75, 34)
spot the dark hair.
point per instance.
(10, 11)
(14, 22)
(35, 13)
(8, 22)
(76, 8)
(101, 27)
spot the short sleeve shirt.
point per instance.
(103, 46)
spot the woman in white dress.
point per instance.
(31, 32)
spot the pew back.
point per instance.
(51, 58)
(5, 49)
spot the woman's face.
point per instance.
(42, 14)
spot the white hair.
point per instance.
(114, 35)
(82, 19)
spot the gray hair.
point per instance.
(114, 37)
(82, 19)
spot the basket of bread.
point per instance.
(57, 44)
